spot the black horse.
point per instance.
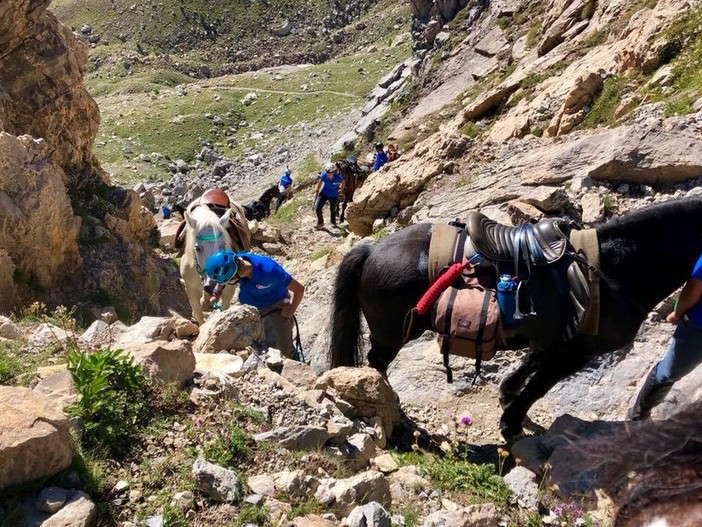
(259, 209)
(645, 256)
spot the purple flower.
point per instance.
(465, 420)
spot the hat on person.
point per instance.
(221, 266)
(330, 167)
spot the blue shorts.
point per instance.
(684, 352)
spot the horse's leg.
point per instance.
(514, 382)
(553, 365)
(380, 356)
(193, 288)
(343, 210)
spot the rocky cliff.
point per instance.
(58, 209)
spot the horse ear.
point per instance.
(190, 220)
(226, 218)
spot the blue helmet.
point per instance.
(222, 266)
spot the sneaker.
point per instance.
(319, 226)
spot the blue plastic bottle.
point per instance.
(506, 297)
(166, 210)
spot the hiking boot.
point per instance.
(319, 226)
(334, 224)
(651, 395)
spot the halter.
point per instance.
(204, 238)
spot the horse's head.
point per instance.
(206, 235)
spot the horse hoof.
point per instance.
(511, 434)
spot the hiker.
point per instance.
(380, 157)
(684, 351)
(285, 188)
(264, 284)
(328, 187)
(392, 152)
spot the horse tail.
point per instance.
(346, 324)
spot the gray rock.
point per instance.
(521, 482)
(296, 437)
(219, 483)
(369, 515)
(51, 499)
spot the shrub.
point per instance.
(380, 233)
(533, 35)
(112, 398)
(602, 110)
(537, 131)
(471, 130)
(252, 514)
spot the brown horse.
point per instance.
(354, 176)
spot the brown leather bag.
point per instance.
(467, 321)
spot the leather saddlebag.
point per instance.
(467, 320)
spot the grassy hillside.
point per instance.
(225, 37)
(145, 123)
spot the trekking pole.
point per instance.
(298, 343)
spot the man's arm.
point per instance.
(297, 290)
(689, 296)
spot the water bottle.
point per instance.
(166, 210)
(506, 298)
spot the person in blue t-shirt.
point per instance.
(380, 157)
(285, 188)
(684, 351)
(264, 284)
(330, 183)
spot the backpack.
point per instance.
(466, 318)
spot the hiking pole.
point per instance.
(298, 343)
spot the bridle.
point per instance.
(204, 238)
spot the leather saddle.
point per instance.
(542, 243)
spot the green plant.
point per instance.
(464, 181)
(609, 204)
(602, 110)
(537, 131)
(321, 252)
(504, 22)
(173, 517)
(679, 106)
(411, 515)
(380, 233)
(532, 80)
(470, 129)
(595, 38)
(533, 34)
(454, 472)
(226, 445)
(252, 514)
(11, 365)
(112, 398)
(304, 507)
(287, 211)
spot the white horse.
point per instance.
(206, 234)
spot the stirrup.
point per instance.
(518, 315)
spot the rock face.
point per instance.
(35, 440)
(46, 98)
(38, 230)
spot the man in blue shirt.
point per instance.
(380, 157)
(264, 284)
(285, 188)
(684, 351)
(328, 187)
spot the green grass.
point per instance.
(19, 368)
(308, 169)
(533, 34)
(602, 110)
(454, 473)
(321, 252)
(470, 129)
(380, 234)
(288, 211)
(464, 181)
(143, 114)
(252, 514)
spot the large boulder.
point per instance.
(169, 362)
(38, 229)
(43, 94)
(367, 391)
(232, 330)
(35, 438)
